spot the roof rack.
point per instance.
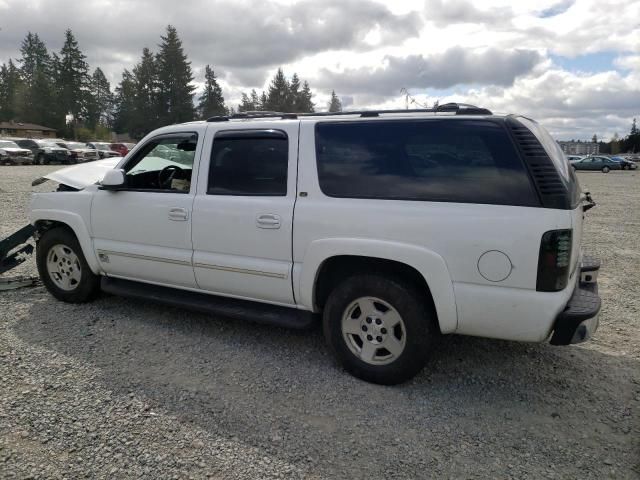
(457, 108)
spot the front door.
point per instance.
(143, 231)
(243, 212)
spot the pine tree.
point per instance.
(335, 105)
(10, 85)
(125, 103)
(594, 139)
(278, 93)
(175, 91)
(307, 105)
(145, 115)
(262, 105)
(255, 101)
(36, 101)
(245, 103)
(72, 78)
(634, 128)
(100, 110)
(293, 103)
(211, 100)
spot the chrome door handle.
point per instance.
(268, 220)
(178, 214)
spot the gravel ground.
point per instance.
(123, 389)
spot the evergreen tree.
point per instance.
(594, 139)
(278, 93)
(293, 104)
(335, 105)
(145, 115)
(634, 128)
(72, 79)
(262, 105)
(245, 103)
(37, 103)
(10, 85)
(175, 91)
(125, 103)
(211, 100)
(255, 101)
(100, 108)
(306, 105)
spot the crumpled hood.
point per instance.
(81, 175)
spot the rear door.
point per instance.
(243, 211)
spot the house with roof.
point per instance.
(28, 130)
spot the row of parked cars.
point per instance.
(604, 163)
(30, 151)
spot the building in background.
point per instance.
(26, 130)
(579, 147)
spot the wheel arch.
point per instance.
(328, 260)
(44, 221)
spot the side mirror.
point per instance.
(113, 179)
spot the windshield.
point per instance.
(75, 145)
(102, 146)
(7, 144)
(617, 159)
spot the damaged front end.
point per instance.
(15, 249)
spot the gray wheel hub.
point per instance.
(63, 267)
(373, 330)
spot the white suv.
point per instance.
(396, 226)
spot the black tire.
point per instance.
(605, 169)
(416, 314)
(88, 285)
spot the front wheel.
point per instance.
(63, 267)
(605, 169)
(379, 328)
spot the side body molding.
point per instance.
(429, 264)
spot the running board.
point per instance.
(212, 304)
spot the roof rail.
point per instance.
(457, 108)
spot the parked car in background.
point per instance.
(625, 163)
(104, 149)
(12, 154)
(604, 164)
(122, 148)
(79, 151)
(46, 151)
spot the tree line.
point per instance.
(58, 90)
(629, 143)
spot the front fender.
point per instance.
(429, 264)
(75, 221)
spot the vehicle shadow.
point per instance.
(272, 387)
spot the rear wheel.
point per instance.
(379, 328)
(605, 169)
(63, 267)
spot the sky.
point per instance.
(574, 66)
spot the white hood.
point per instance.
(82, 175)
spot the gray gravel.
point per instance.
(124, 389)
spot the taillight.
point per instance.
(554, 261)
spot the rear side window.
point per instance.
(467, 161)
(249, 163)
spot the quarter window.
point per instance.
(249, 163)
(467, 161)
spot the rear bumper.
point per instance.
(579, 319)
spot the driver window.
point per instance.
(164, 164)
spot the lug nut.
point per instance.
(364, 328)
(369, 337)
(383, 330)
(379, 338)
(378, 321)
(368, 319)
